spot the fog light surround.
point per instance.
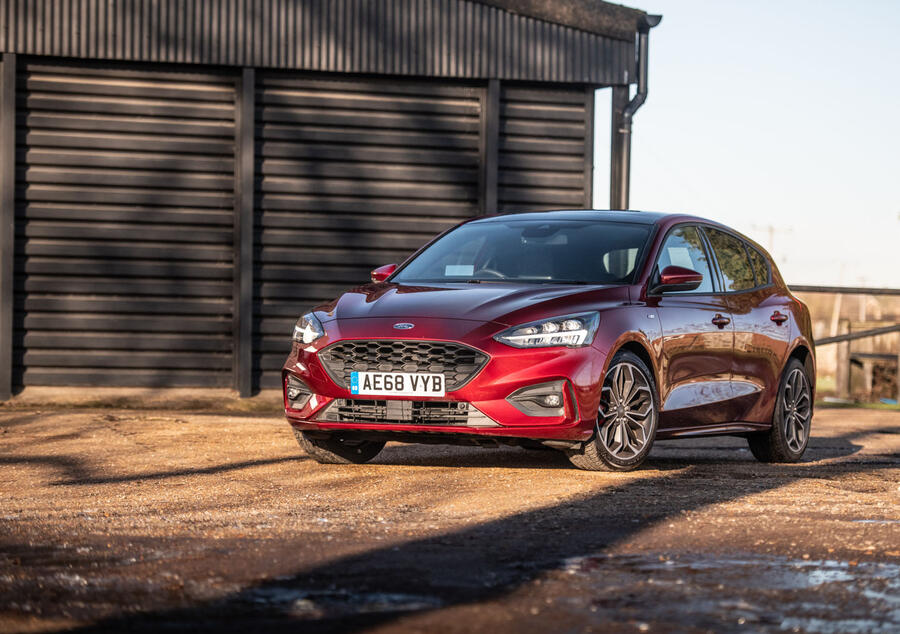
(543, 399)
(296, 392)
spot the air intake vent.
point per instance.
(405, 413)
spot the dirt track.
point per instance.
(115, 519)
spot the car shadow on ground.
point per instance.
(489, 561)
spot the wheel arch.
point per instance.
(641, 348)
(804, 354)
(642, 353)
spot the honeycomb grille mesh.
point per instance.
(458, 363)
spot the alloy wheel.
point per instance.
(796, 410)
(626, 415)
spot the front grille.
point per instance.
(405, 413)
(458, 363)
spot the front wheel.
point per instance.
(787, 439)
(335, 450)
(626, 420)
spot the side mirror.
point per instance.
(383, 272)
(677, 278)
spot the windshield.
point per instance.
(532, 251)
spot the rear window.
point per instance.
(737, 272)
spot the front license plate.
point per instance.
(396, 384)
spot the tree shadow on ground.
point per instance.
(77, 473)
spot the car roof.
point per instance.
(640, 217)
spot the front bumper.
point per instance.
(484, 396)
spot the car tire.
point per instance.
(615, 445)
(787, 439)
(335, 450)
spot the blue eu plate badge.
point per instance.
(354, 382)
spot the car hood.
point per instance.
(501, 303)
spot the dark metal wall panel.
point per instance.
(351, 175)
(7, 218)
(244, 195)
(543, 148)
(443, 38)
(124, 225)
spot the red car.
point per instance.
(591, 332)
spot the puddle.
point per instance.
(769, 573)
(875, 521)
(846, 626)
(317, 604)
(772, 593)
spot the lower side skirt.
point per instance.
(718, 429)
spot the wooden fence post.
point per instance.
(842, 371)
(898, 370)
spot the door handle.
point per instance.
(721, 321)
(778, 318)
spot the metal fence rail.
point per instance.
(862, 334)
(845, 357)
(845, 290)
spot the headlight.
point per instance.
(570, 330)
(308, 328)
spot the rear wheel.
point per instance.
(626, 420)
(336, 450)
(787, 439)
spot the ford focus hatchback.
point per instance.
(591, 332)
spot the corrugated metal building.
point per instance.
(180, 179)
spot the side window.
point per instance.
(760, 266)
(683, 247)
(737, 274)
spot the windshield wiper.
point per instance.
(571, 282)
(476, 280)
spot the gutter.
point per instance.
(644, 26)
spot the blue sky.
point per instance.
(781, 119)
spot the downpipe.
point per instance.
(647, 23)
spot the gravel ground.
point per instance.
(114, 519)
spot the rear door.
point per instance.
(760, 317)
(698, 338)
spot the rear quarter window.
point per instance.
(734, 263)
(760, 266)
